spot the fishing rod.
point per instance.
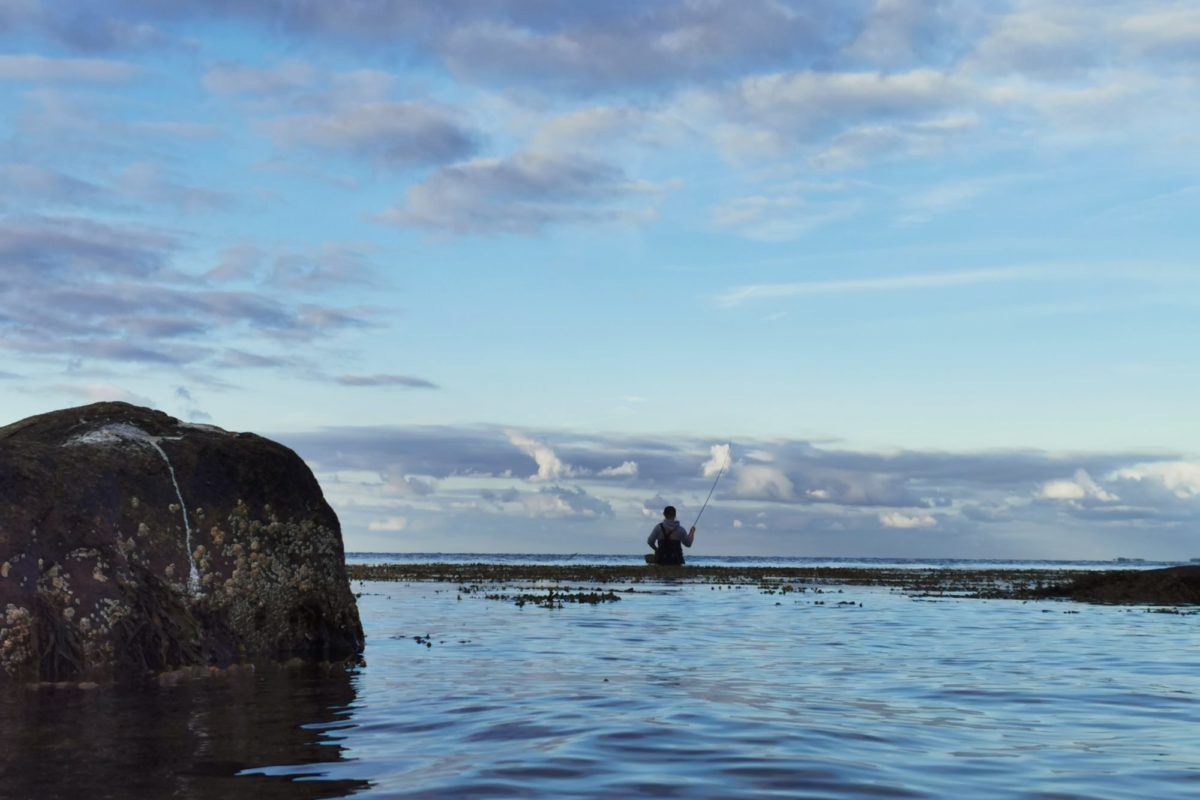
(720, 472)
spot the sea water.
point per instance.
(675, 690)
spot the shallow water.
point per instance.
(676, 691)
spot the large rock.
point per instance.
(131, 542)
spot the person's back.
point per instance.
(669, 552)
(668, 540)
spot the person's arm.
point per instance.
(652, 540)
(689, 537)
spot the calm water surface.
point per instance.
(674, 691)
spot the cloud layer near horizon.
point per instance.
(794, 497)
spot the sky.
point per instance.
(511, 276)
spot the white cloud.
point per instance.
(41, 68)
(399, 134)
(779, 218)
(1081, 487)
(556, 501)
(282, 78)
(408, 485)
(937, 280)
(1104, 110)
(767, 114)
(1049, 43)
(545, 505)
(33, 184)
(895, 519)
(1181, 478)
(151, 184)
(549, 466)
(742, 210)
(587, 127)
(349, 113)
(861, 144)
(388, 524)
(944, 198)
(627, 469)
(524, 194)
(404, 381)
(587, 47)
(897, 30)
(719, 461)
(1170, 31)
(760, 482)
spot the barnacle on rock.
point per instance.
(17, 633)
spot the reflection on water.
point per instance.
(187, 741)
(675, 691)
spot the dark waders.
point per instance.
(669, 552)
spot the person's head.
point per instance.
(669, 512)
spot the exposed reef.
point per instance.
(1169, 586)
(975, 583)
(1165, 587)
(133, 543)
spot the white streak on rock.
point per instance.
(121, 432)
(193, 573)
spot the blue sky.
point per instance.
(505, 273)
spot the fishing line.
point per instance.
(710, 491)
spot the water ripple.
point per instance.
(688, 692)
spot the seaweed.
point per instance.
(56, 642)
(160, 633)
